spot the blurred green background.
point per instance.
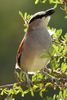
(11, 32)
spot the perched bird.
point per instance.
(36, 41)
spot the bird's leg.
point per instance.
(28, 80)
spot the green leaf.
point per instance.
(65, 36)
(44, 1)
(36, 1)
(65, 17)
(25, 92)
(31, 90)
(21, 14)
(57, 34)
(64, 67)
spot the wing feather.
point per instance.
(19, 51)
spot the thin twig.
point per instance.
(53, 77)
(9, 85)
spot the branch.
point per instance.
(10, 85)
(55, 78)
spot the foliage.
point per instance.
(62, 3)
(53, 77)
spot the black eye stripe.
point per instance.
(45, 13)
(36, 17)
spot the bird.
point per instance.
(35, 42)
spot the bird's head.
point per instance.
(41, 18)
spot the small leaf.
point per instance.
(21, 14)
(47, 84)
(65, 36)
(36, 1)
(41, 91)
(65, 17)
(31, 90)
(44, 1)
(57, 33)
(64, 67)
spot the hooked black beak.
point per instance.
(49, 12)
